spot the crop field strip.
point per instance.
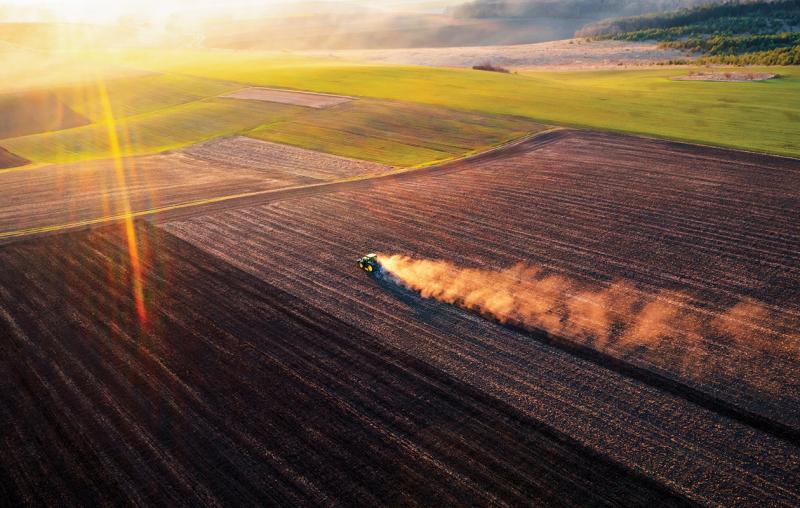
(258, 397)
(751, 116)
(400, 219)
(141, 94)
(39, 111)
(275, 158)
(307, 99)
(158, 112)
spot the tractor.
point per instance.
(369, 263)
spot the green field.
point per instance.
(419, 114)
(761, 116)
(165, 129)
(395, 133)
(142, 94)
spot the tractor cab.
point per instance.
(369, 263)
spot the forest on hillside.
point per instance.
(759, 32)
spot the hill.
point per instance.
(760, 32)
(568, 9)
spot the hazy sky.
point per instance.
(156, 10)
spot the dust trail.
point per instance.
(616, 315)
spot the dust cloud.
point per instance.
(617, 315)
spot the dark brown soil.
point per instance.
(233, 391)
(716, 226)
(269, 370)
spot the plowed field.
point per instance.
(235, 392)
(65, 193)
(62, 194)
(258, 365)
(597, 208)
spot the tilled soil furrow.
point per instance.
(276, 263)
(223, 350)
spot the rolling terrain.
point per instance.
(33, 112)
(9, 160)
(396, 133)
(162, 112)
(564, 316)
(152, 132)
(750, 116)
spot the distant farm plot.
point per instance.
(589, 210)
(395, 133)
(67, 195)
(165, 129)
(307, 99)
(274, 158)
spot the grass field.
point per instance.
(755, 116)
(174, 106)
(394, 133)
(165, 129)
(158, 112)
(142, 94)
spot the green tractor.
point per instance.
(369, 263)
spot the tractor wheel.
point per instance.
(369, 268)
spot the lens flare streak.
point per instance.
(115, 147)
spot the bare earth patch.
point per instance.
(280, 160)
(307, 99)
(64, 193)
(736, 77)
(563, 54)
